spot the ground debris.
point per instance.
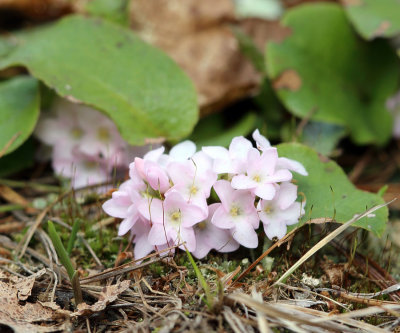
(108, 295)
(23, 316)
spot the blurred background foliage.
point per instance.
(314, 72)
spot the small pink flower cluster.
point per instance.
(86, 145)
(167, 199)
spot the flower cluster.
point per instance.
(86, 145)
(393, 105)
(167, 200)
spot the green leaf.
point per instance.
(328, 192)
(19, 110)
(324, 71)
(374, 18)
(18, 160)
(211, 130)
(106, 66)
(113, 10)
(322, 137)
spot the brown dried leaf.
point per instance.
(37, 9)
(28, 317)
(288, 79)
(334, 272)
(195, 34)
(263, 31)
(24, 286)
(107, 296)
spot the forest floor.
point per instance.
(348, 284)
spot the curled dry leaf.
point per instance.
(24, 286)
(27, 317)
(107, 296)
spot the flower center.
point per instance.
(103, 134)
(257, 178)
(193, 190)
(90, 165)
(235, 210)
(76, 133)
(176, 217)
(201, 225)
(268, 209)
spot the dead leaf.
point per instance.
(38, 10)
(28, 317)
(334, 272)
(107, 296)
(263, 31)
(24, 286)
(288, 79)
(197, 36)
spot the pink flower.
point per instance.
(283, 162)
(140, 232)
(393, 105)
(124, 204)
(209, 237)
(278, 213)
(192, 181)
(232, 160)
(83, 170)
(237, 213)
(261, 141)
(153, 174)
(261, 175)
(173, 220)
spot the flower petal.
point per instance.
(245, 235)
(183, 151)
(286, 163)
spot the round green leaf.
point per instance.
(19, 110)
(328, 192)
(374, 18)
(106, 66)
(325, 71)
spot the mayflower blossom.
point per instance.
(280, 212)
(237, 213)
(86, 145)
(393, 105)
(167, 200)
(209, 236)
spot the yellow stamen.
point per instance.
(103, 134)
(76, 133)
(235, 211)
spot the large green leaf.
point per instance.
(374, 18)
(107, 66)
(325, 71)
(19, 110)
(328, 192)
